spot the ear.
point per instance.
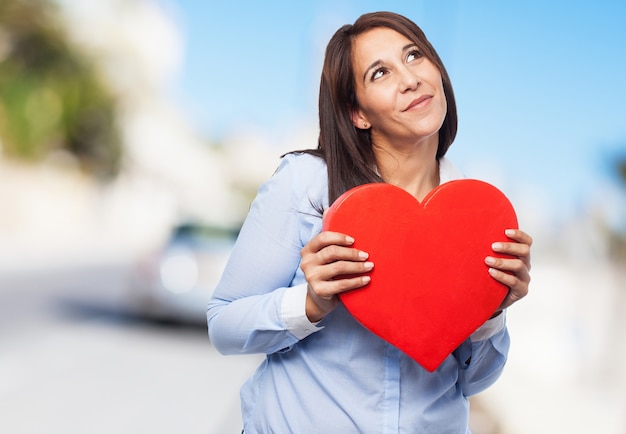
(359, 120)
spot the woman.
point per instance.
(387, 114)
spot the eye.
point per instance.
(378, 73)
(414, 55)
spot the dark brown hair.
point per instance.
(346, 149)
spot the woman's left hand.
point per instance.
(512, 272)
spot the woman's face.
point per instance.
(399, 91)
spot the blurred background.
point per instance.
(135, 133)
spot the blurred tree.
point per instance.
(51, 98)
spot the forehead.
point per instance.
(377, 44)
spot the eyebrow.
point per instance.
(379, 62)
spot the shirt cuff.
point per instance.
(490, 328)
(293, 311)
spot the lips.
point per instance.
(418, 102)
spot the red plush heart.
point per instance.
(430, 289)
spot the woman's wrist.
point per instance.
(496, 313)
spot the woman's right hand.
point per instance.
(325, 259)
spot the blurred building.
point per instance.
(55, 212)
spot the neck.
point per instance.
(414, 169)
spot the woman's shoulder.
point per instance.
(299, 171)
(304, 168)
(303, 161)
(304, 174)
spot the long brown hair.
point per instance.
(346, 149)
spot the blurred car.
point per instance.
(176, 282)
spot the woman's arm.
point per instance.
(248, 312)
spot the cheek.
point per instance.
(377, 105)
(444, 104)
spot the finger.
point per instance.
(519, 236)
(520, 249)
(519, 278)
(518, 287)
(326, 290)
(516, 266)
(338, 270)
(335, 253)
(347, 268)
(511, 280)
(347, 284)
(513, 249)
(327, 238)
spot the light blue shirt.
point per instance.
(334, 376)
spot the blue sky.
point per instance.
(539, 85)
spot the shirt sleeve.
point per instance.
(489, 328)
(482, 356)
(294, 312)
(252, 308)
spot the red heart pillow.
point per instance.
(430, 289)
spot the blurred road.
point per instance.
(72, 361)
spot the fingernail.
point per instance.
(368, 265)
(492, 271)
(510, 232)
(490, 260)
(366, 279)
(363, 255)
(496, 246)
(349, 239)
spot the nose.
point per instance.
(409, 80)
